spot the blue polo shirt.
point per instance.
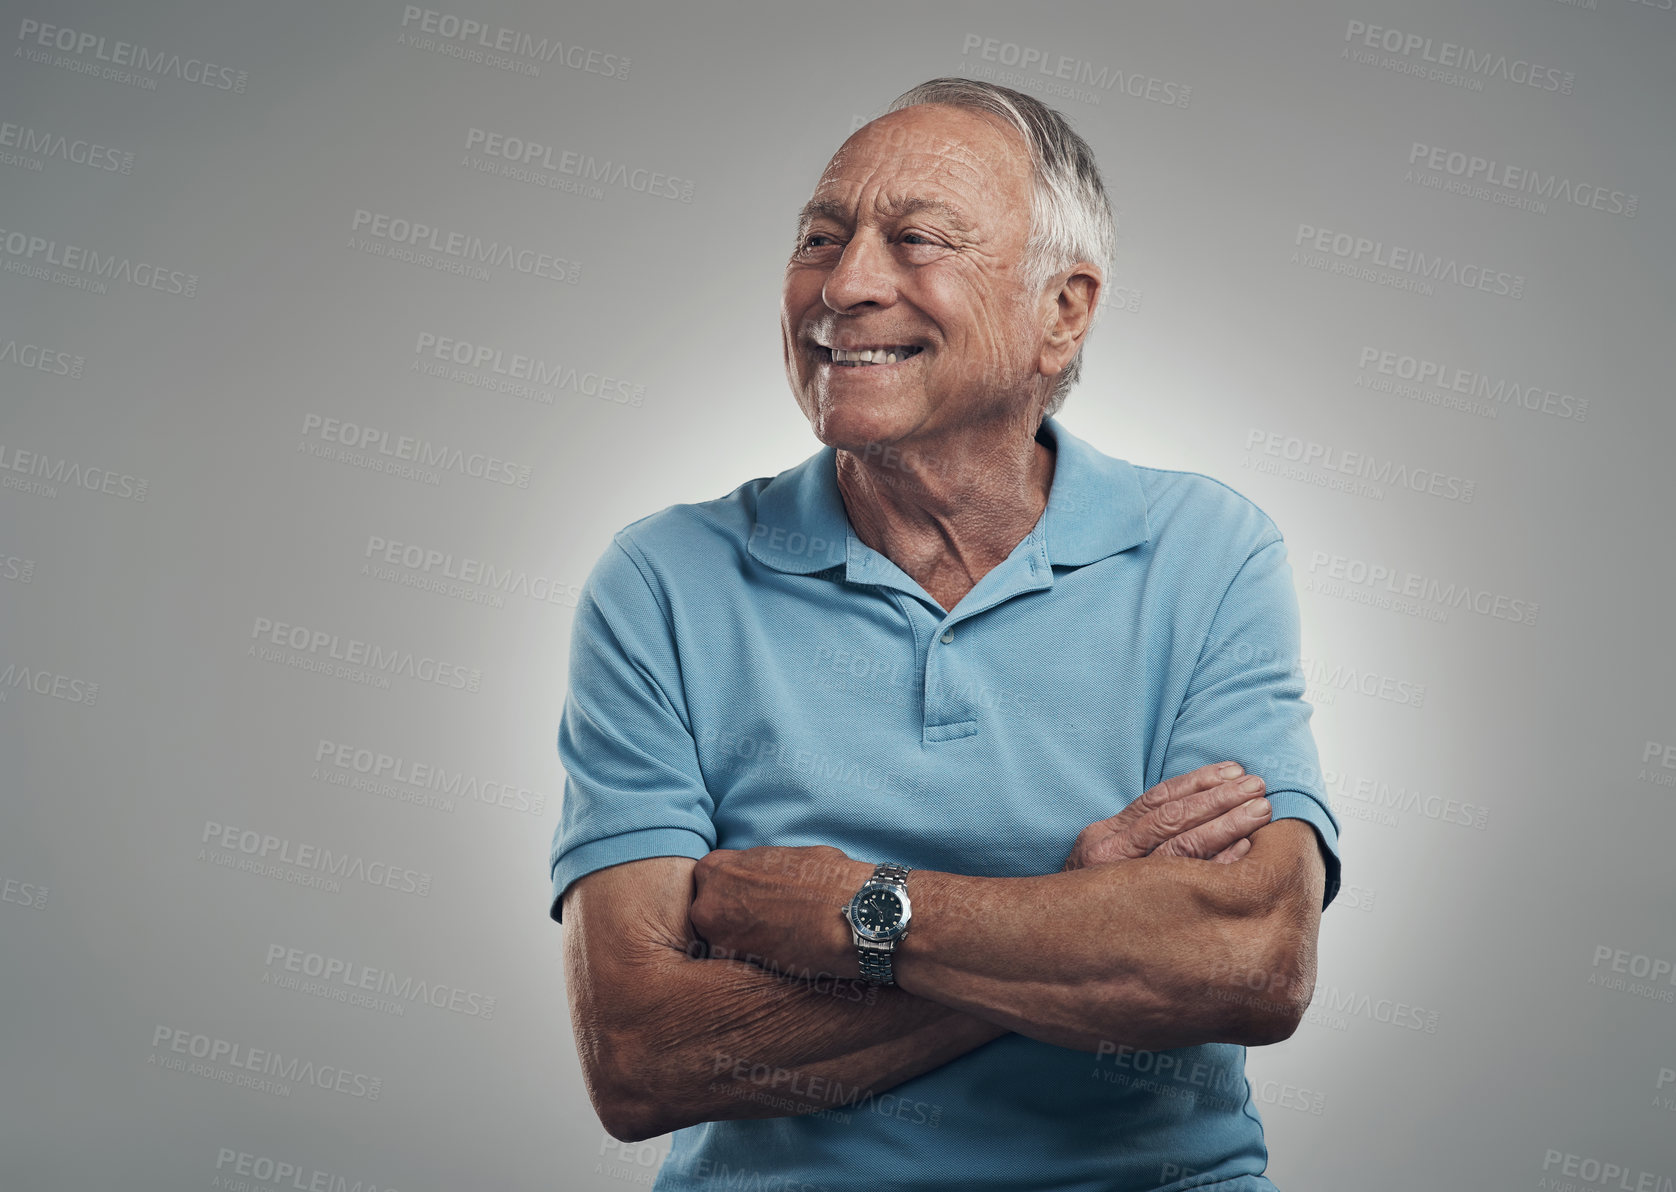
(746, 671)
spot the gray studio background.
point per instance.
(295, 498)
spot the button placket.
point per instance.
(934, 686)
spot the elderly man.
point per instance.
(908, 837)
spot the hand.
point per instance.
(777, 907)
(1209, 813)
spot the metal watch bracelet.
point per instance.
(876, 958)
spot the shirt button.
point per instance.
(948, 636)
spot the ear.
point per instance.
(1068, 321)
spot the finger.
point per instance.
(1192, 782)
(1130, 836)
(1221, 833)
(707, 866)
(1166, 810)
(1233, 852)
(1211, 838)
(1161, 824)
(1201, 807)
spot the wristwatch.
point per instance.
(878, 916)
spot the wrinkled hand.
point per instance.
(1209, 813)
(777, 907)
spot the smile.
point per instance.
(869, 356)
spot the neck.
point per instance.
(947, 510)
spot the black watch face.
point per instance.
(878, 911)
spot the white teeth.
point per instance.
(869, 355)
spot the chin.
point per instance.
(851, 423)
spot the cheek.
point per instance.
(802, 288)
(991, 333)
(982, 323)
(790, 321)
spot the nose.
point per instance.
(863, 276)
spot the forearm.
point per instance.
(1138, 954)
(721, 1039)
(800, 1051)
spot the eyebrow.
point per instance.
(897, 209)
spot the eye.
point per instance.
(921, 246)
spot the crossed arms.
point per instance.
(1149, 937)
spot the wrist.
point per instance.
(879, 915)
(838, 941)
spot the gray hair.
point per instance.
(1070, 217)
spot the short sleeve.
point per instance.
(632, 787)
(1245, 701)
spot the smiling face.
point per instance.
(905, 313)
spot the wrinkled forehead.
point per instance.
(966, 166)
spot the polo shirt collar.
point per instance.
(1096, 508)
